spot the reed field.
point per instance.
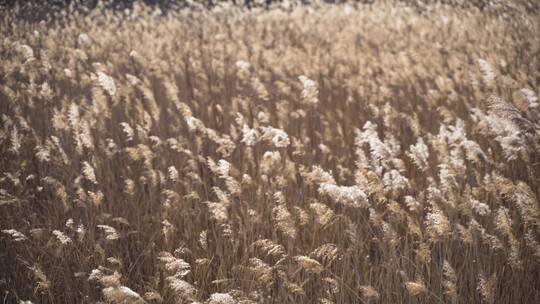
(325, 153)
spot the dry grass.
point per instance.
(314, 155)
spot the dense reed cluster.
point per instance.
(299, 154)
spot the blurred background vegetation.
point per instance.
(38, 10)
